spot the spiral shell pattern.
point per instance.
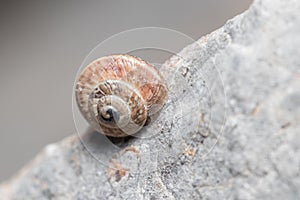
(117, 94)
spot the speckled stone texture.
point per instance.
(229, 131)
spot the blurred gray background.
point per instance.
(42, 45)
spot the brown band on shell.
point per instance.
(120, 86)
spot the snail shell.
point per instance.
(117, 94)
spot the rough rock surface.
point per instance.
(230, 130)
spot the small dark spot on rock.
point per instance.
(153, 198)
(286, 125)
(48, 194)
(118, 175)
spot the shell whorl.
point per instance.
(116, 94)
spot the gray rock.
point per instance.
(229, 131)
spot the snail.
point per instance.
(119, 94)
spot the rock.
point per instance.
(229, 131)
